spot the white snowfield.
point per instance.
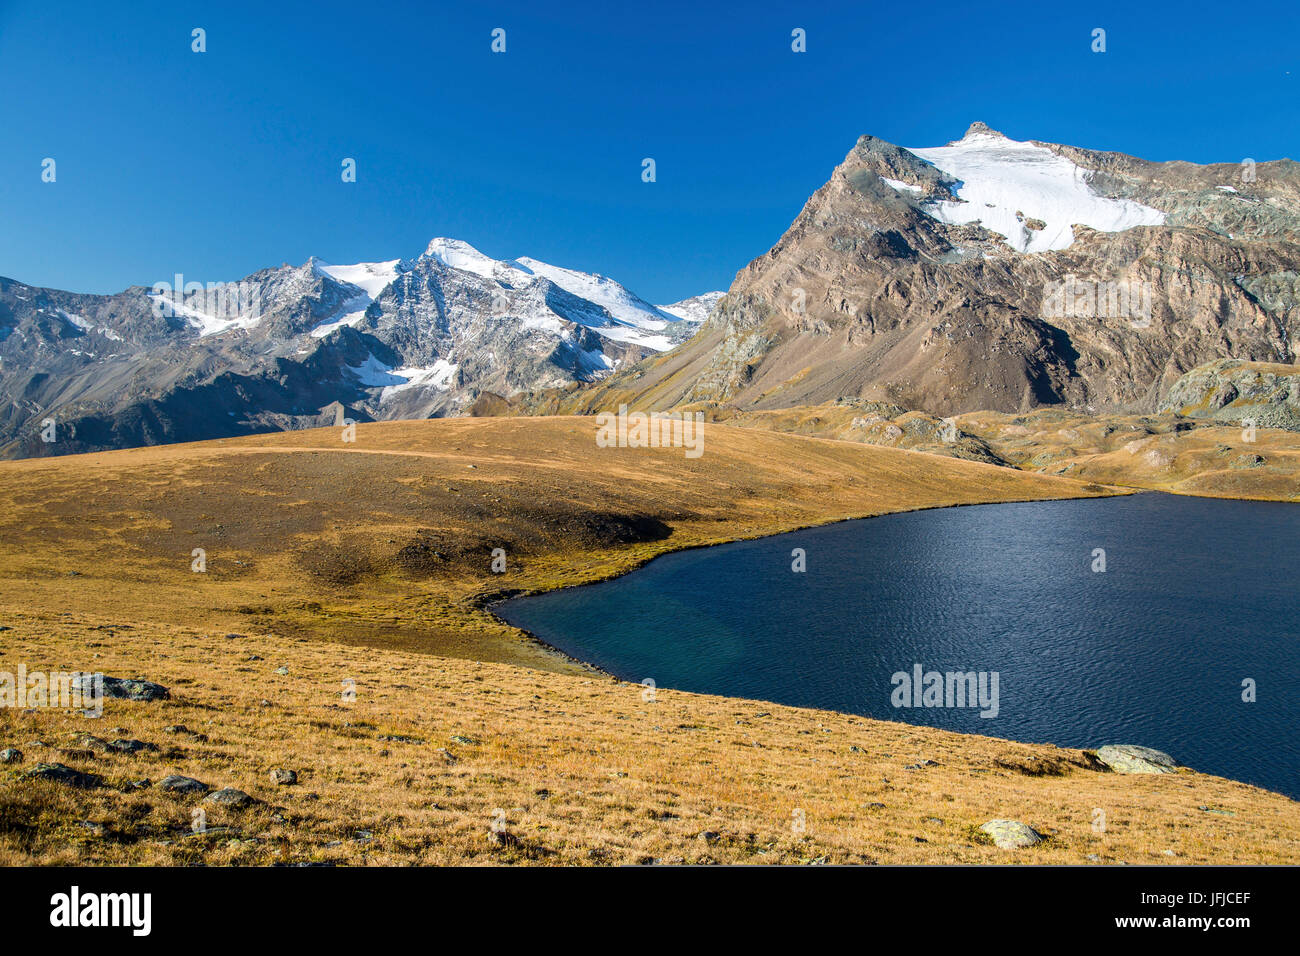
(902, 186)
(375, 374)
(695, 309)
(607, 307)
(370, 277)
(635, 321)
(1005, 182)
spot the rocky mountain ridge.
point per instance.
(295, 347)
(999, 275)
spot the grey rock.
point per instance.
(284, 778)
(11, 755)
(59, 773)
(230, 797)
(122, 688)
(1011, 834)
(130, 746)
(1233, 391)
(1131, 758)
(180, 784)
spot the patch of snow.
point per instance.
(373, 373)
(695, 309)
(458, 254)
(618, 314)
(1004, 182)
(902, 186)
(206, 323)
(606, 293)
(371, 278)
(86, 326)
(438, 375)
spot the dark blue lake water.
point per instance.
(1198, 596)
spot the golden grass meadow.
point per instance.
(341, 630)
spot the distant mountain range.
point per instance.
(986, 274)
(295, 347)
(991, 274)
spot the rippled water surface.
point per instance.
(1198, 595)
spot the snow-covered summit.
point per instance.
(618, 313)
(1025, 192)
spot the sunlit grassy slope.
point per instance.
(370, 562)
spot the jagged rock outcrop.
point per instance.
(1233, 391)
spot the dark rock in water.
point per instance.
(1130, 758)
(59, 773)
(179, 784)
(1011, 834)
(230, 797)
(284, 778)
(122, 688)
(10, 755)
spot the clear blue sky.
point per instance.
(221, 163)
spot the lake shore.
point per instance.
(327, 563)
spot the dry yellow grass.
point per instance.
(316, 554)
(388, 541)
(1158, 452)
(583, 769)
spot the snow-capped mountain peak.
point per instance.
(371, 278)
(611, 309)
(458, 254)
(1025, 192)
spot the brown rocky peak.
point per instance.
(979, 128)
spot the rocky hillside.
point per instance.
(296, 347)
(1230, 390)
(1000, 275)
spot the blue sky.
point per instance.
(220, 163)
